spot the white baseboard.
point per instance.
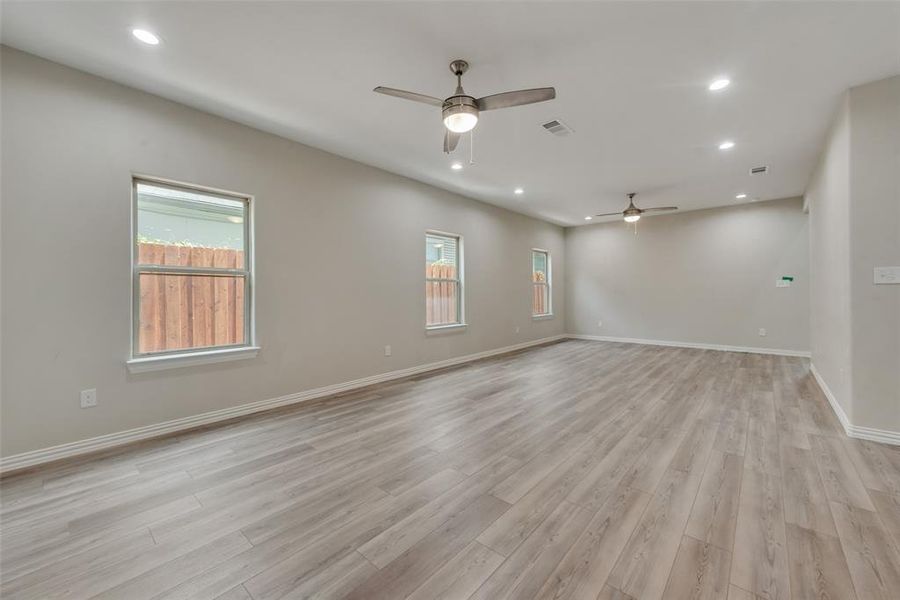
(721, 347)
(875, 435)
(855, 431)
(832, 400)
(104, 442)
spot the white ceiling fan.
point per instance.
(460, 111)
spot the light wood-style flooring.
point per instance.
(580, 470)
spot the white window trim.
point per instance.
(549, 284)
(162, 362)
(460, 284)
(435, 329)
(175, 359)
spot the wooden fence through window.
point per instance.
(196, 311)
(540, 293)
(190, 311)
(441, 297)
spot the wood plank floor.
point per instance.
(580, 470)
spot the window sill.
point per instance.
(189, 359)
(445, 328)
(542, 317)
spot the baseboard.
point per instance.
(721, 347)
(104, 442)
(875, 435)
(855, 431)
(832, 400)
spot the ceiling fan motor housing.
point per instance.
(459, 104)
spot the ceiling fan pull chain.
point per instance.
(472, 147)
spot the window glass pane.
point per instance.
(180, 227)
(540, 302)
(441, 303)
(440, 250)
(180, 312)
(539, 265)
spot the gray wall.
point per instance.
(700, 277)
(854, 200)
(339, 257)
(875, 241)
(828, 197)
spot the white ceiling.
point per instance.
(630, 78)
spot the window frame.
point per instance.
(548, 284)
(460, 282)
(151, 361)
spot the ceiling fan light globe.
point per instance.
(461, 122)
(460, 114)
(632, 218)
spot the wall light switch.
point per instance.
(887, 275)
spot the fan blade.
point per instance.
(659, 208)
(618, 214)
(409, 96)
(450, 141)
(517, 98)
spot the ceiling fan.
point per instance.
(632, 214)
(460, 111)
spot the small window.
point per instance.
(443, 280)
(191, 268)
(540, 283)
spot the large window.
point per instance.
(540, 283)
(191, 268)
(443, 280)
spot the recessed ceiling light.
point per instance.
(719, 84)
(456, 166)
(518, 191)
(726, 145)
(145, 36)
(588, 218)
(741, 196)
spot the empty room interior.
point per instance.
(653, 354)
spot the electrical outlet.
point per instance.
(517, 329)
(387, 350)
(762, 332)
(88, 398)
(599, 324)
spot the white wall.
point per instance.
(698, 277)
(875, 236)
(854, 200)
(828, 197)
(339, 257)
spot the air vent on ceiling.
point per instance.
(557, 127)
(759, 170)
